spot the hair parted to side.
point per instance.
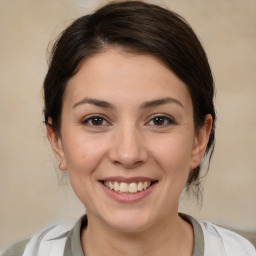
(141, 28)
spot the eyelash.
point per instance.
(103, 122)
(166, 119)
(90, 119)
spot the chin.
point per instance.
(129, 222)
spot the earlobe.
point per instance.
(201, 141)
(56, 144)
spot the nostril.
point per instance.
(128, 164)
(128, 150)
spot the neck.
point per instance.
(170, 236)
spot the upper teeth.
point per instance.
(123, 187)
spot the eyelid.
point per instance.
(86, 119)
(171, 120)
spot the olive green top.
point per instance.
(73, 245)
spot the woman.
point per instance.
(129, 113)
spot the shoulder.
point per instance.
(225, 242)
(17, 249)
(44, 241)
(50, 241)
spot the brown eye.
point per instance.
(160, 121)
(95, 121)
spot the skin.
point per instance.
(128, 142)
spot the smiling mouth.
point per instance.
(128, 188)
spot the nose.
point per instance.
(128, 149)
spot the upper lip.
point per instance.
(127, 180)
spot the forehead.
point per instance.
(119, 75)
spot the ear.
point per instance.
(56, 144)
(200, 142)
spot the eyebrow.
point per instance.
(158, 102)
(99, 103)
(148, 104)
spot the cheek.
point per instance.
(173, 154)
(83, 155)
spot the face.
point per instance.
(128, 139)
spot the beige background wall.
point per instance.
(30, 196)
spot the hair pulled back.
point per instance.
(136, 27)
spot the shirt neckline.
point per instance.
(73, 245)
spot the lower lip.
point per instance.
(128, 197)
